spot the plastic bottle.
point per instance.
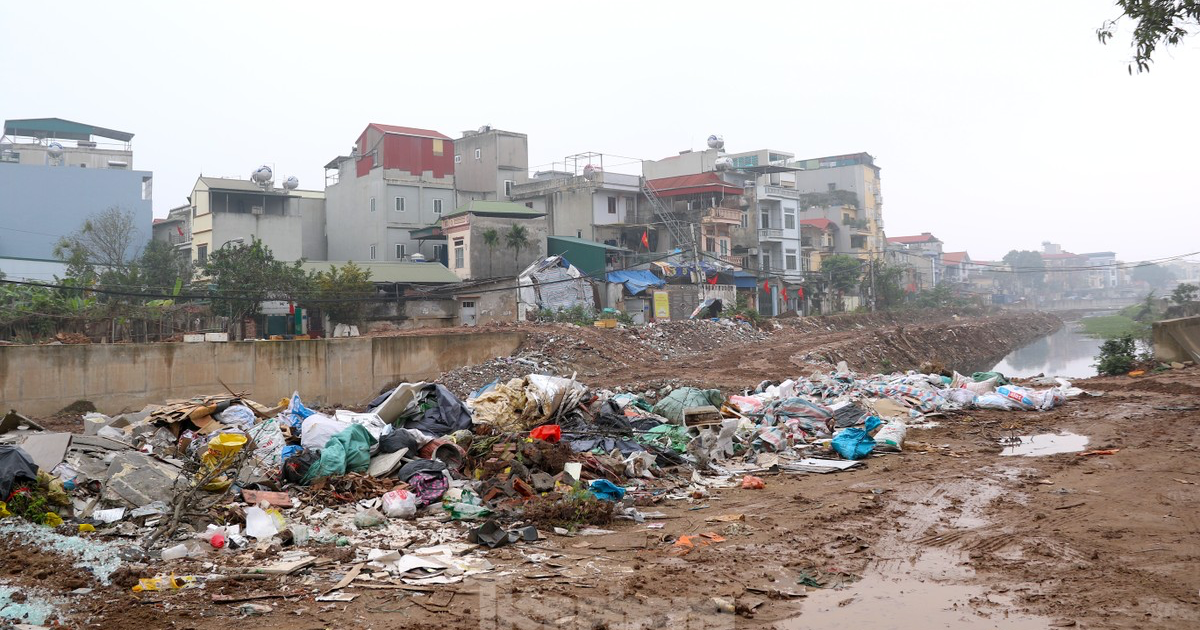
(215, 536)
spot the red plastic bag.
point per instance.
(548, 432)
(750, 482)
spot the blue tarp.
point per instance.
(635, 281)
(745, 280)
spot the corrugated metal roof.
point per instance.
(393, 271)
(820, 224)
(692, 185)
(919, 238)
(584, 241)
(410, 131)
(60, 128)
(497, 208)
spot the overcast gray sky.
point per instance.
(998, 125)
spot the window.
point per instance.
(629, 206)
(529, 204)
(438, 252)
(508, 184)
(399, 251)
(478, 154)
(789, 218)
(201, 254)
(764, 219)
(372, 204)
(457, 159)
(832, 186)
(468, 304)
(372, 252)
(745, 219)
(399, 204)
(437, 206)
(710, 244)
(789, 259)
(578, 233)
(612, 205)
(766, 262)
(724, 247)
(439, 147)
(459, 253)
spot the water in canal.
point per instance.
(1068, 353)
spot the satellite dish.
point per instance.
(262, 176)
(417, 258)
(55, 150)
(292, 183)
(589, 172)
(723, 164)
(716, 142)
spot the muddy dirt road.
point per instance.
(951, 533)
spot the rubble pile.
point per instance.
(417, 489)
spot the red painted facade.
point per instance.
(415, 154)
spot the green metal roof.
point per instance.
(62, 129)
(393, 272)
(584, 241)
(497, 209)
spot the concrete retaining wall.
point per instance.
(1177, 339)
(40, 380)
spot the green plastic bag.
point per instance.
(348, 451)
(673, 405)
(979, 377)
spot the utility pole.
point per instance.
(872, 270)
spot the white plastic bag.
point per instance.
(890, 437)
(318, 428)
(259, 524)
(237, 415)
(400, 503)
(268, 443)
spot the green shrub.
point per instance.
(1117, 356)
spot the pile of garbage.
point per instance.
(424, 470)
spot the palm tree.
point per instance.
(517, 238)
(491, 238)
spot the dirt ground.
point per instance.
(950, 533)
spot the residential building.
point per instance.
(176, 228)
(291, 223)
(588, 202)
(471, 258)
(855, 173)
(54, 175)
(395, 181)
(1066, 272)
(1103, 276)
(957, 266)
(920, 253)
(488, 163)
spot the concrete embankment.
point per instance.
(39, 380)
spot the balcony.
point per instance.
(736, 261)
(770, 234)
(778, 192)
(723, 215)
(178, 239)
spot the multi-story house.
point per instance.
(590, 203)
(855, 173)
(488, 163)
(225, 211)
(473, 258)
(395, 181)
(54, 175)
(920, 253)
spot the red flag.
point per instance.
(179, 229)
(766, 286)
(799, 293)
(646, 239)
(713, 279)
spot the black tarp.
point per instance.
(15, 466)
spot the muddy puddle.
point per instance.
(899, 595)
(1043, 444)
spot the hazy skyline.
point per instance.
(997, 126)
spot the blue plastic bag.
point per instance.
(855, 443)
(606, 490)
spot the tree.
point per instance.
(516, 239)
(342, 292)
(1157, 22)
(1185, 293)
(491, 238)
(1156, 276)
(162, 265)
(243, 276)
(1029, 268)
(842, 271)
(107, 239)
(887, 284)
